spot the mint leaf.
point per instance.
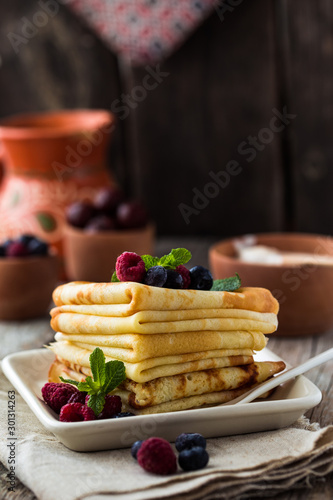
(227, 284)
(175, 258)
(96, 402)
(69, 381)
(180, 256)
(85, 387)
(106, 377)
(115, 374)
(149, 261)
(97, 365)
(114, 278)
(89, 386)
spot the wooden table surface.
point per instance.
(32, 334)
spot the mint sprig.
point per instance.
(105, 378)
(114, 278)
(226, 284)
(177, 257)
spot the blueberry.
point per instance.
(189, 440)
(201, 278)
(135, 448)
(156, 276)
(37, 247)
(123, 414)
(174, 280)
(193, 459)
(25, 238)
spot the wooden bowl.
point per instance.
(92, 256)
(305, 292)
(26, 286)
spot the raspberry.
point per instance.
(112, 406)
(185, 274)
(76, 412)
(78, 397)
(156, 455)
(130, 267)
(57, 395)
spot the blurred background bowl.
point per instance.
(26, 286)
(91, 256)
(305, 292)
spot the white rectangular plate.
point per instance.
(28, 372)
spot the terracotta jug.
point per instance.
(51, 159)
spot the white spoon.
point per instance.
(283, 377)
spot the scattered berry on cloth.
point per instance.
(157, 456)
(193, 458)
(189, 440)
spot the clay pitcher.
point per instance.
(51, 159)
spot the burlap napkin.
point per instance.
(240, 466)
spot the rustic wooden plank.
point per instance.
(218, 89)
(307, 34)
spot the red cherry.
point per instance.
(107, 199)
(79, 213)
(100, 223)
(131, 215)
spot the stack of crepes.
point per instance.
(181, 348)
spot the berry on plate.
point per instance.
(76, 412)
(201, 278)
(156, 276)
(174, 280)
(130, 267)
(185, 274)
(57, 395)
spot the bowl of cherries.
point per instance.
(98, 231)
(28, 275)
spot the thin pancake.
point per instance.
(129, 297)
(83, 323)
(166, 389)
(149, 369)
(135, 347)
(58, 369)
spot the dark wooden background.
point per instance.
(223, 85)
